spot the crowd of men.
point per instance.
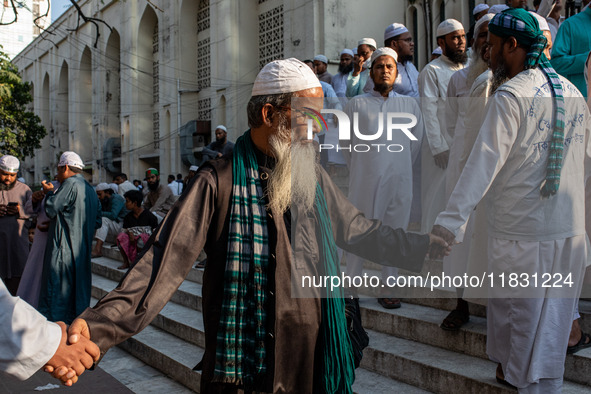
(496, 161)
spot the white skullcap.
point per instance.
(71, 159)
(479, 8)
(354, 50)
(448, 26)
(9, 163)
(102, 186)
(384, 51)
(498, 8)
(347, 51)
(542, 22)
(193, 168)
(284, 76)
(114, 187)
(367, 41)
(321, 58)
(221, 127)
(482, 21)
(395, 29)
(437, 51)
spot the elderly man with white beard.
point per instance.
(374, 187)
(457, 114)
(530, 159)
(264, 215)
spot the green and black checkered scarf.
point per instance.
(240, 349)
(518, 23)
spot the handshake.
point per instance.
(440, 241)
(75, 353)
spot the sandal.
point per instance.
(501, 379)
(390, 303)
(583, 343)
(455, 320)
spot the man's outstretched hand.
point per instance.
(74, 354)
(440, 241)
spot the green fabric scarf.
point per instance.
(240, 350)
(518, 23)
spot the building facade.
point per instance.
(31, 18)
(147, 87)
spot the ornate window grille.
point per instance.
(203, 64)
(204, 109)
(156, 126)
(203, 16)
(270, 35)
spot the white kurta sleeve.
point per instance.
(490, 152)
(451, 107)
(27, 339)
(429, 93)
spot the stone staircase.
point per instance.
(408, 352)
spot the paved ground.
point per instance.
(119, 373)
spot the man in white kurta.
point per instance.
(433, 82)
(457, 104)
(358, 80)
(397, 37)
(532, 228)
(339, 80)
(380, 183)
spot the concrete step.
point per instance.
(414, 322)
(438, 370)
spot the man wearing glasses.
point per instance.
(398, 38)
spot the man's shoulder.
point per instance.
(21, 187)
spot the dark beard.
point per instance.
(405, 58)
(154, 186)
(456, 57)
(499, 77)
(382, 88)
(346, 69)
(4, 186)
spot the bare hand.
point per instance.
(44, 227)
(438, 247)
(71, 360)
(38, 196)
(13, 210)
(441, 159)
(219, 154)
(47, 186)
(358, 66)
(3, 210)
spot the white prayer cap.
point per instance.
(367, 41)
(114, 187)
(541, 21)
(221, 127)
(448, 26)
(347, 51)
(384, 51)
(9, 163)
(482, 21)
(437, 51)
(193, 168)
(354, 50)
(71, 159)
(479, 8)
(102, 186)
(395, 29)
(284, 76)
(321, 58)
(498, 8)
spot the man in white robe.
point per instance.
(339, 80)
(433, 82)
(380, 183)
(458, 101)
(358, 80)
(535, 221)
(399, 39)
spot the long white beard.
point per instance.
(293, 181)
(477, 67)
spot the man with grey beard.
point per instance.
(264, 215)
(14, 237)
(457, 104)
(530, 161)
